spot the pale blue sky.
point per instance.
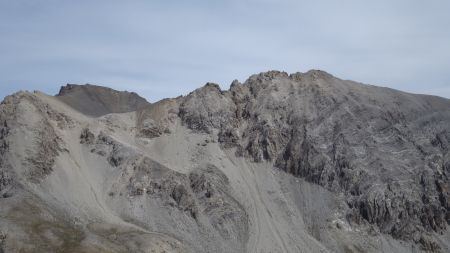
(167, 48)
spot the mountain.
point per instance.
(302, 162)
(97, 101)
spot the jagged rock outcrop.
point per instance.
(207, 108)
(367, 142)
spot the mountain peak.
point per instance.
(94, 100)
(268, 75)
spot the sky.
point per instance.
(168, 48)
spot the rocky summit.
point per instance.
(302, 162)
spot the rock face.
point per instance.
(387, 151)
(304, 162)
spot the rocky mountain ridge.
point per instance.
(232, 170)
(384, 149)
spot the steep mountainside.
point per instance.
(304, 162)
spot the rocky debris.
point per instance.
(86, 136)
(4, 131)
(6, 179)
(116, 153)
(97, 101)
(226, 214)
(63, 121)
(150, 129)
(43, 143)
(46, 142)
(152, 179)
(229, 137)
(143, 176)
(47, 147)
(366, 142)
(205, 192)
(4, 144)
(184, 200)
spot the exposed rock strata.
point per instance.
(386, 150)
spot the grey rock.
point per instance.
(323, 164)
(44, 144)
(226, 214)
(86, 136)
(207, 108)
(150, 129)
(366, 142)
(116, 152)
